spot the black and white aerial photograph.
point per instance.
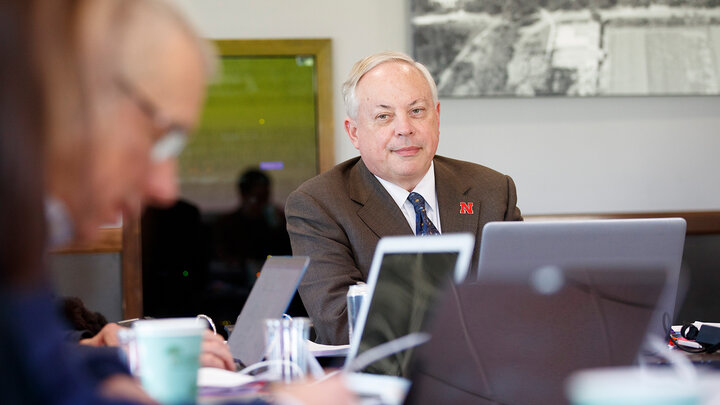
(478, 48)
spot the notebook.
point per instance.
(406, 276)
(515, 341)
(514, 249)
(269, 298)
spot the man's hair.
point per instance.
(110, 40)
(138, 19)
(365, 65)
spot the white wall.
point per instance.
(566, 155)
(95, 278)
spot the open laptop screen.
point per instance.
(405, 280)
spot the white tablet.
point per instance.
(406, 276)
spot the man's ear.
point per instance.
(351, 129)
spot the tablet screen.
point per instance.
(406, 291)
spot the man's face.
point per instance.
(397, 125)
(124, 178)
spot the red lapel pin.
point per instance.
(466, 208)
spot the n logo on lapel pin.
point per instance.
(466, 208)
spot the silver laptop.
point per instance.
(269, 298)
(515, 249)
(406, 276)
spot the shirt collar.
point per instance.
(426, 188)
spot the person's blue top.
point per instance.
(38, 365)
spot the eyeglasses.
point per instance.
(174, 136)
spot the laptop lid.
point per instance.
(406, 275)
(515, 341)
(269, 298)
(513, 249)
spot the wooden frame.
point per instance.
(321, 49)
(126, 240)
(109, 240)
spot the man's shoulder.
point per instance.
(331, 180)
(462, 168)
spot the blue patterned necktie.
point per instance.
(423, 226)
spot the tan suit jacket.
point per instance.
(338, 217)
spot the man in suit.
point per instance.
(398, 186)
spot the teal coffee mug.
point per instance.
(167, 357)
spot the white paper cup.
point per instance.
(167, 352)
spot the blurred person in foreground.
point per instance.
(397, 186)
(36, 365)
(144, 72)
(97, 98)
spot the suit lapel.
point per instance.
(379, 211)
(451, 191)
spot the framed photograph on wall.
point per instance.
(478, 48)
